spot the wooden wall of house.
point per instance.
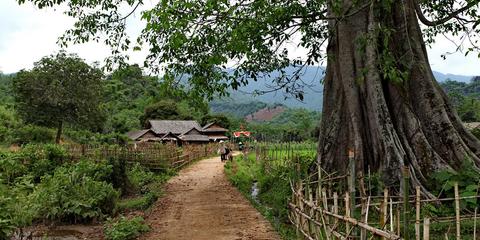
(147, 135)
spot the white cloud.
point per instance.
(455, 63)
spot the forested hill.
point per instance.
(465, 97)
(6, 97)
(313, 95)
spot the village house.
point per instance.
(215, 132)
(179, 132)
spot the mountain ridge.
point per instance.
(313, 95)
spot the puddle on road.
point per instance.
(254, 191)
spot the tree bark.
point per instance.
(388, 121)
(59, 132)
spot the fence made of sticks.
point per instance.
(282, 154)
(154, 156)
(334, 206)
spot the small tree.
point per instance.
(164, 109)
(59, 89)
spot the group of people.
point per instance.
(225, 153)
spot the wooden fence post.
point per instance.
(347, 211)
(457, 210)
(398, 220)
(426, 229)
(351, 162)
(383, 210)
(475, 224)
(417, 213)
(391, 215)
(406, 207)
(335, 206)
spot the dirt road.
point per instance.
(201, 204)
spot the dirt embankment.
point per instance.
(201, 204)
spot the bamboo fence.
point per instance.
(329, 206)
(153, 156)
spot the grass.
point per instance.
(147, 187)
(141, 202)
(4, 147)
(274, 191)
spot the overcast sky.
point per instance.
(27, 34)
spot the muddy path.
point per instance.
(201, 204)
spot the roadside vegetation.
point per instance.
(40, 184)
(267, 186)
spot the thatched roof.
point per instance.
(194, 135)
(134, 135)
(213, 127)
(176, 127)
(194, 138)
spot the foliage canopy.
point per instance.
(60, 89)
(202, 38)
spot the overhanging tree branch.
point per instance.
(437, 22)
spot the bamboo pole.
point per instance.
(335, 206)
(355, 222)
(383, 209)
(406, 207)
(398, 220)
(457, 211)
(426, 229)
(391, 216)
(475, 224)
(417, 213)
(364, 203)
(325, 204)
(385, 206)
(299, 217)
(351, 162)
(347, 210)
(311, 226)
(368, 208)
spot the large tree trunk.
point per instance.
(389, 122)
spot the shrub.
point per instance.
(8, 122)
(119, 177)
(33, 134)
(88, 137)
(6, 224)
(76, 193)
(17, 209)
(139, 177)
(467, 178)
(41, 159)
(125, 229)
(11, 167)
